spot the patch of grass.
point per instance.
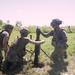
(48, 48)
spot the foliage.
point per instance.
(71, 30)
(48, 48)
(47, 45)
(16, 28)
(1, 22)
(31, 29)
(71, 43)
(45, 29)
(1, 27)
(8, 21)
(18, 23)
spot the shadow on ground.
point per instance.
(57, 68)
(13, 72)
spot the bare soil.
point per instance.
(47, 68)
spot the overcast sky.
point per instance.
(37, 12)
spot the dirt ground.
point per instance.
(48, 68)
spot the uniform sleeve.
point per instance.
(51, 33)
(47, 34)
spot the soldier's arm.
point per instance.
(36, 42)
(5, 42)
(47, 34)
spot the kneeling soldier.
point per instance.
(18, 49)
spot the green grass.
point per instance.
(47, 47)
(71, 43)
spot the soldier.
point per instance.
(18, 49)
(4, 38)
(58, 41)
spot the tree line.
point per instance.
(18, 23)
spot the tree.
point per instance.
(1, 22)
(8, 21)
(18, 23)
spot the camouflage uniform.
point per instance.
(1, 45)
(14, 56)
(3, 33)
(58, 41)
(17, 49)
(59, 44)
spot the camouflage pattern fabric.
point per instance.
(2, 34)
(17, 49)
(1, 57)
(59, 43)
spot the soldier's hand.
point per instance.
(43, 41)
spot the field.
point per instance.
(48, 67)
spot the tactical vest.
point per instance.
(57, 35)
(18, 47)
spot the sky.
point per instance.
(37, 12)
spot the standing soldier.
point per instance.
(58, 41)
(18, 49)
(4, 38)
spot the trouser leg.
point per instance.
(65, 54)
(16, 64)
(6, 66)
(1, 58)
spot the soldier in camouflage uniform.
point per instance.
(58, 41)
(17, 50)
(4, 38)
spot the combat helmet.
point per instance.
(55, 22)
(24, 32)
(8, 26)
